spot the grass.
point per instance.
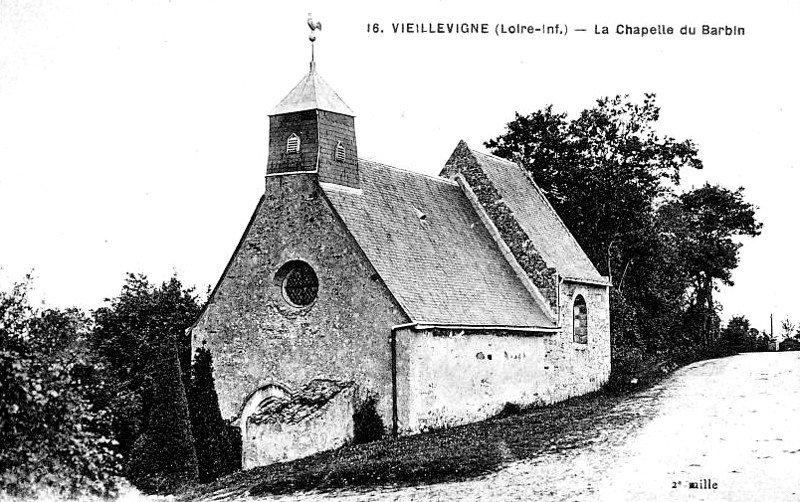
(444, 455)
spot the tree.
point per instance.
(127, 336)
(162, 459)
(788, 328)
(613, 180)
(737, 336)
(136, 336)
(53, 436)
(602, 172)
(704, 223)
(216, 453)
(605, 173)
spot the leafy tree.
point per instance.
(602, 172)
(136, 336)
(612, 179)
(53, 436)
(788, 328)
(705, 222)
(127, 337)
(737, 335)
(605, 172)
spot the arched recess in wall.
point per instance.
(258, 396)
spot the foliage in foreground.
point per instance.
(140, 336)
(88, 400)
(53, 435)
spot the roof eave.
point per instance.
(425, 325)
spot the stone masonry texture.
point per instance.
(257, 338)
(543, 276)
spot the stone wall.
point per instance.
(463, 162)
(579, 368)
(257, 338)
(451, 377)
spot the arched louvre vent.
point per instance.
(293, 144)
(339, 152)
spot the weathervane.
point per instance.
(314, 27)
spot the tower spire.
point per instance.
(312, 37)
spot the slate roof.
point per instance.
(300, 405)
(445, 269)
(312, 92)
(538, 218)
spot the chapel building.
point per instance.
(433, 301)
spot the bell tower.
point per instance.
(313, 130)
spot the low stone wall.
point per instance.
(298, 430)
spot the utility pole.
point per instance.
(771, 334)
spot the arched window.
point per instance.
(293, 144)
(580, 326)
(298, 282)
(339, 152)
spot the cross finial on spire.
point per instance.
(314, 27)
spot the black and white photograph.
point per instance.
(420, 251)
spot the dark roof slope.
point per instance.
(537, 217)
(430, 248)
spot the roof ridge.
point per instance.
(430, 176)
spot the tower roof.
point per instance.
(312, 93)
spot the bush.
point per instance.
(52, 436)
(509, 410)
(626, 362)
(367, 424)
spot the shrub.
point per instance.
(367, 424)
(51, 436)
(510, 410)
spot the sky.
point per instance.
(133, 135)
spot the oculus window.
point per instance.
(299, 283)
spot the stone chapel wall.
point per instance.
(257, 338)
(452, 377)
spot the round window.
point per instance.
(300, 284)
